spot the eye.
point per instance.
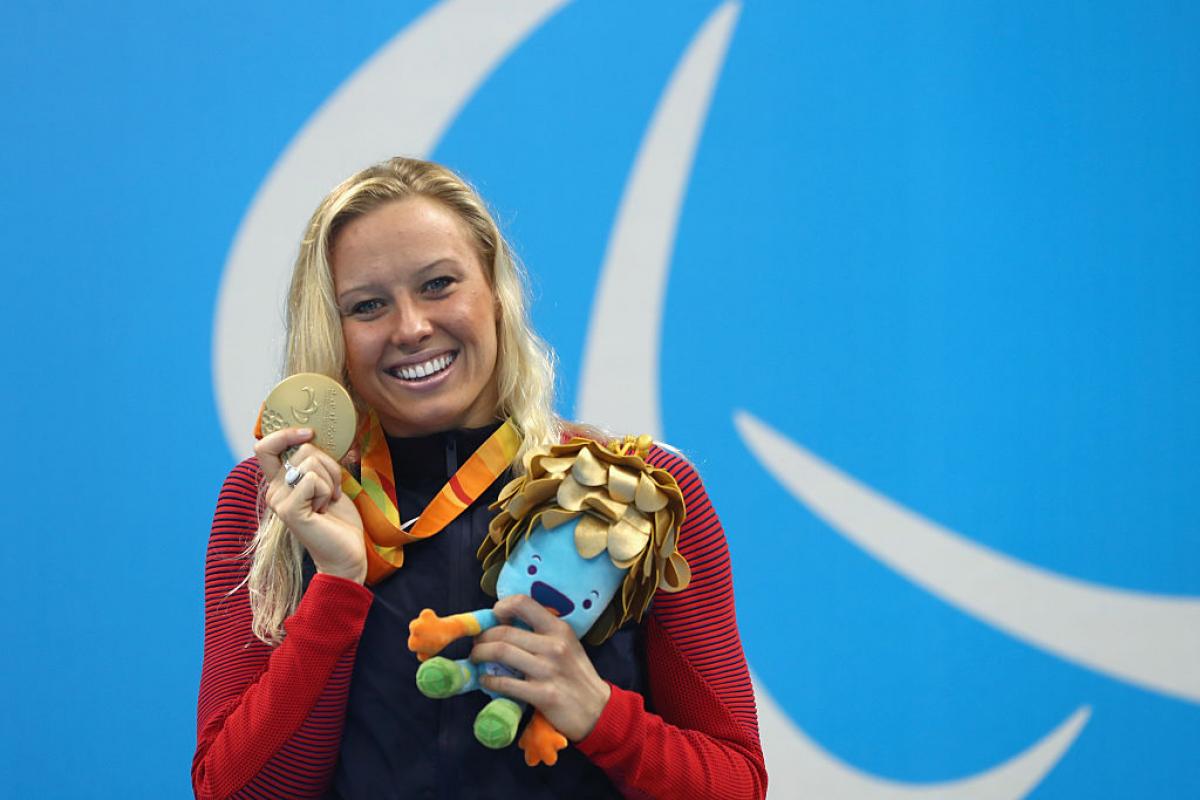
(587, 603)
(532, 569)
(436, 286)
(365, 308)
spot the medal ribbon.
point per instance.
(374, 494)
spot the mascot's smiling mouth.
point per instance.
(559, 604)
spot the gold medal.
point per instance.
(310, 400)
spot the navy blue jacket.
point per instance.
(397, 742)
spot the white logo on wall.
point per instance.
(1149, 641)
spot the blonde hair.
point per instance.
(524, 363)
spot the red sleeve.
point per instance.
(705, 743)
(269, 718)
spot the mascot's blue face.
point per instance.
(547, 567)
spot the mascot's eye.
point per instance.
(587, 603)
(532, 569)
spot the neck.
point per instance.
(435, 455)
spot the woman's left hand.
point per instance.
(559, 681)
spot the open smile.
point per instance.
(424, 370)
(555, 601)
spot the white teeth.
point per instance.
(417, 371)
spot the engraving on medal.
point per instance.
(329, 430)
(305, 414)
(314, 401)
(272, 421)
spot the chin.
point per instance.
(434, 421)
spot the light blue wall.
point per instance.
(951, 249)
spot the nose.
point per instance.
(411, 325)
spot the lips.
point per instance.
(558, 603)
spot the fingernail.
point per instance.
(306, 431)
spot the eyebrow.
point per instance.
(434, 266)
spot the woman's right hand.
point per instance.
(315, 509)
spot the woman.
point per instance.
(406, 292)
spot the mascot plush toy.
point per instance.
(590, 532)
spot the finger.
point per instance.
(310, 494)
(512, 656)
(321, 493)
(310, 458)
(330, 465)
(270, 448)
(541, 644)
(517, 689)
(294, 503)
(531, 612)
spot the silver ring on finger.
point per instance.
(293, 475)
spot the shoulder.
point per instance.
(246, 472)
(239, 507)
(664, 456)
(683, 471)
(701, 537)
(234, 524)
(240, 487)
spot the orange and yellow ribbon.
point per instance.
(374, 494)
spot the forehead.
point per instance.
(402, 234)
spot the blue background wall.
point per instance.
(950, 248)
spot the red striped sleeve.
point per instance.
(269, 720)
(705, 743)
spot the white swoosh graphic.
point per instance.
(1151, 641)
(813, 772)
(399, 102)
(619, 388)
(626, 321)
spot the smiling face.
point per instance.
(418, 318)
(547, 566)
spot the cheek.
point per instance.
(479, 326)
(359, 349)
